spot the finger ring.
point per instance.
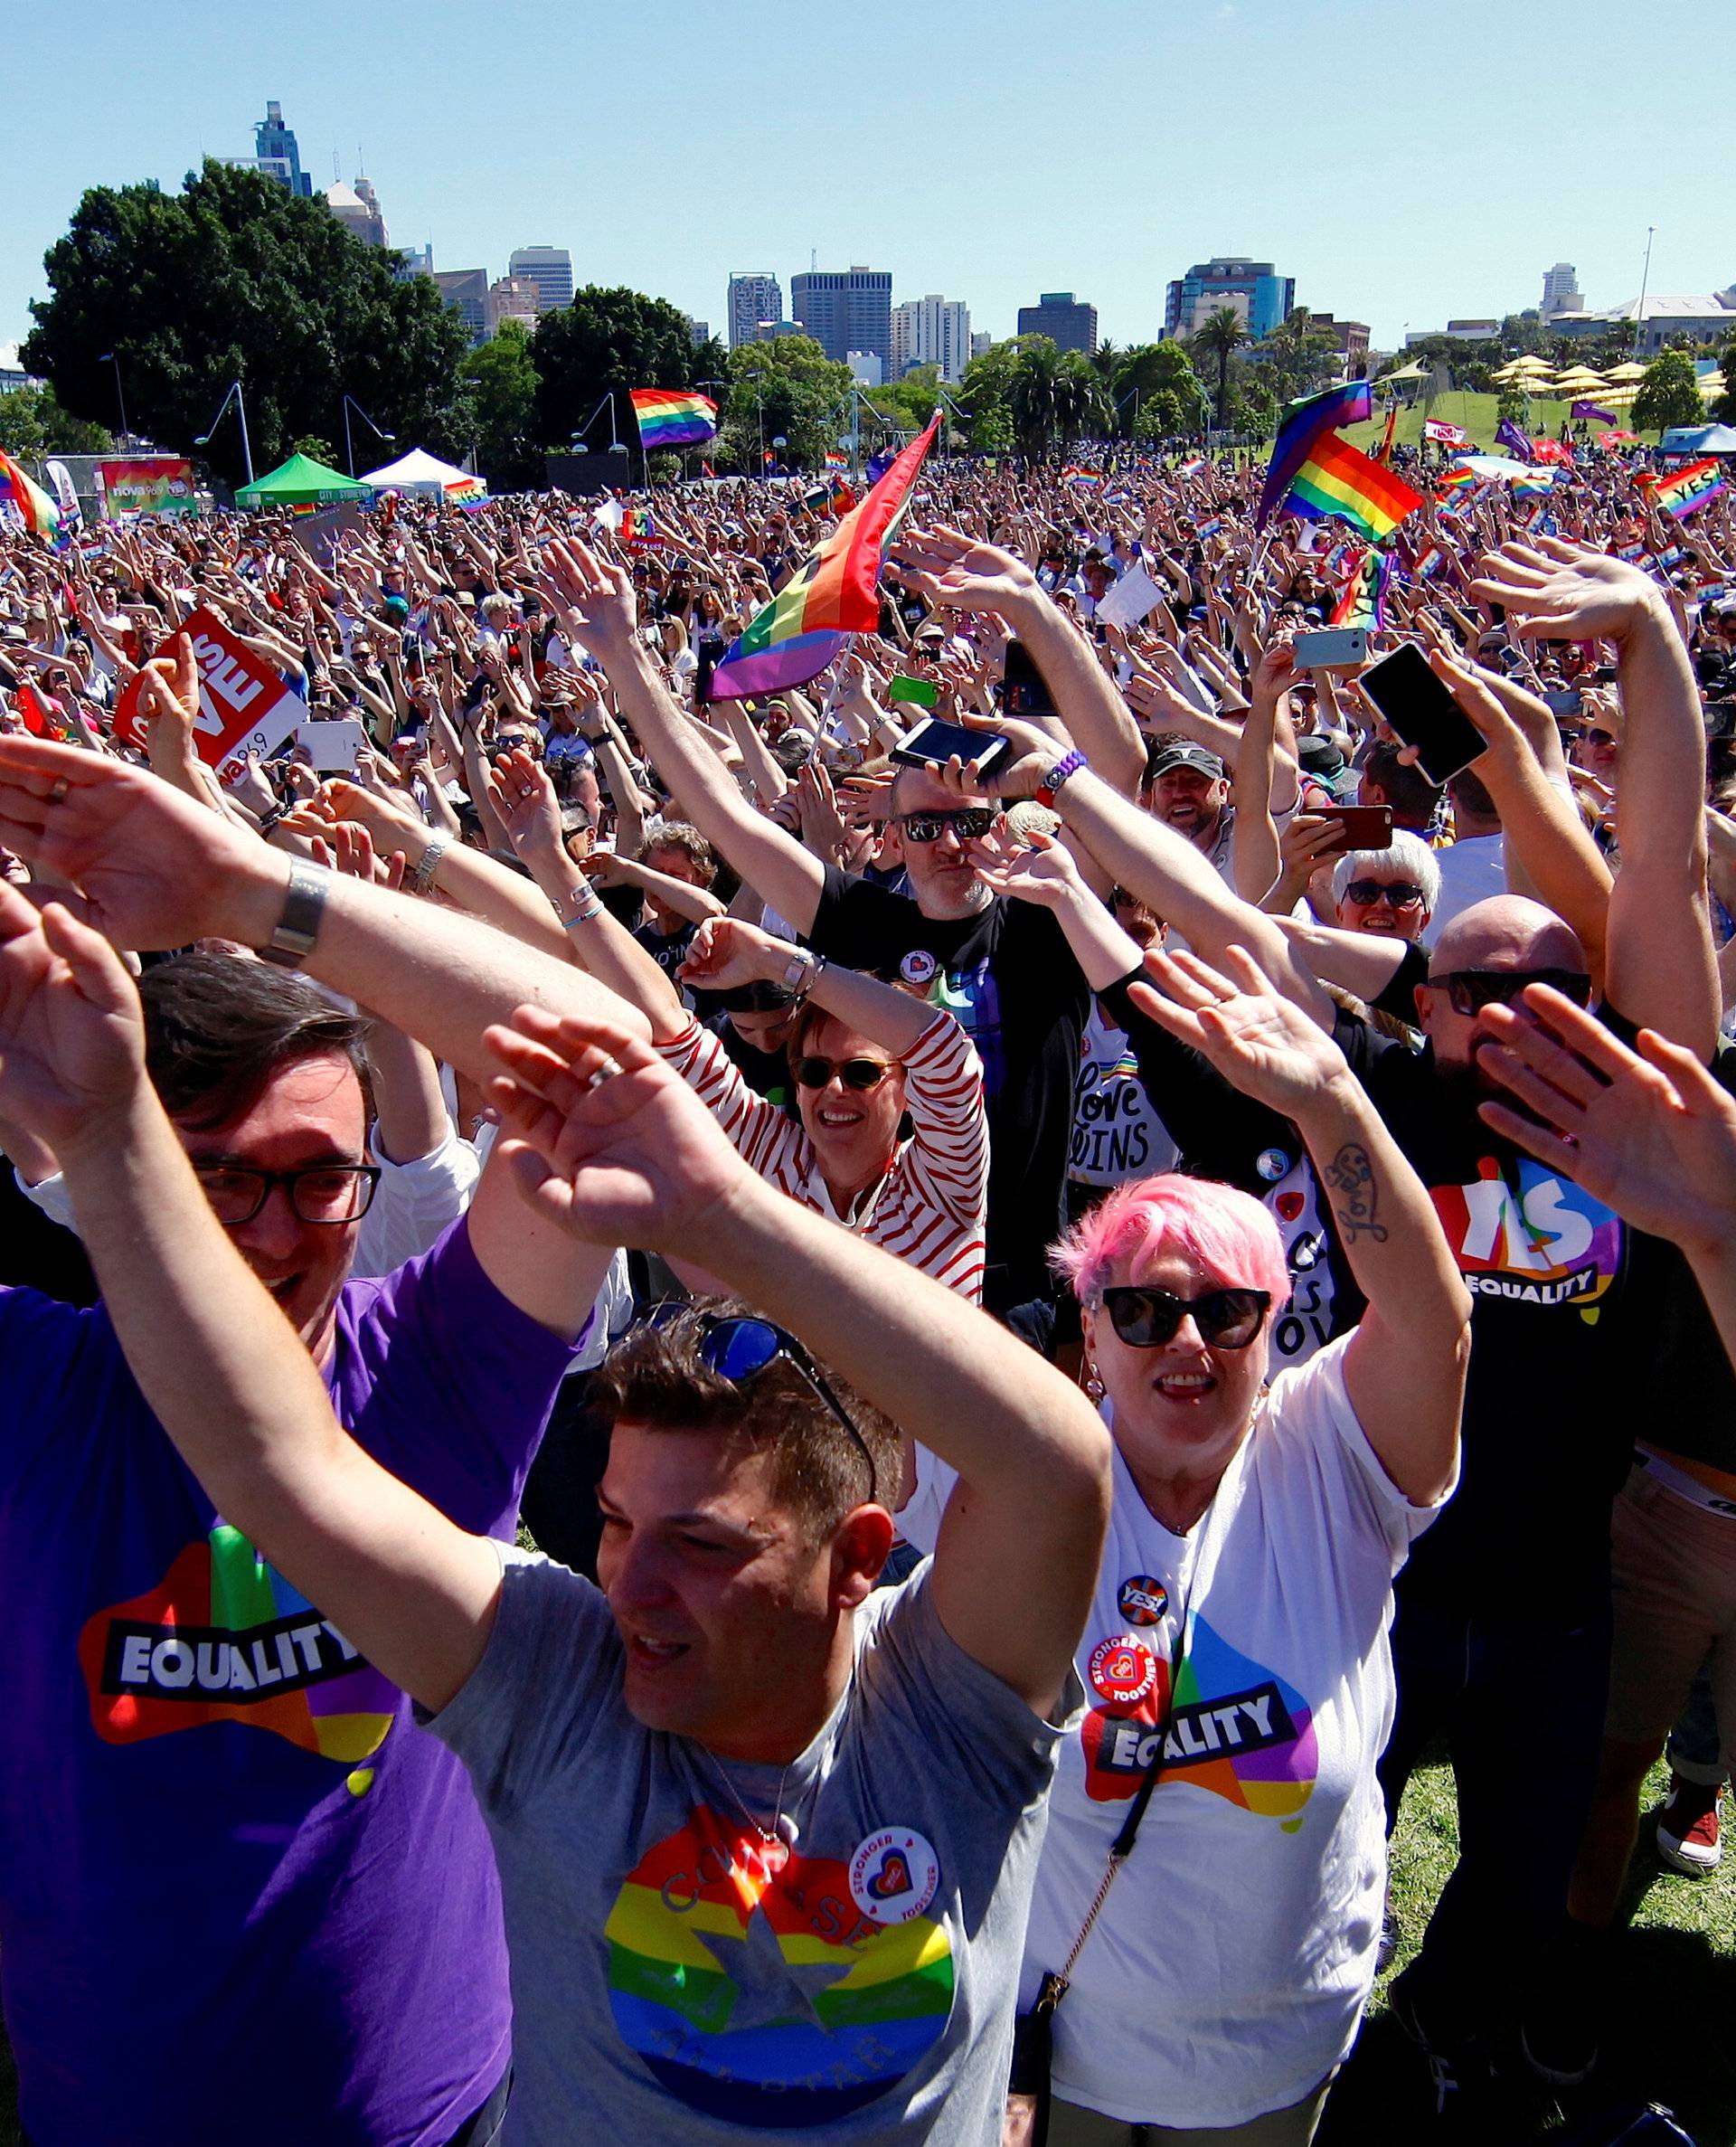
(524, 791)
(607, 1071)
(61, 788)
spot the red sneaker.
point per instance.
(1687, 1828)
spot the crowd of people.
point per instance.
(899, 1393)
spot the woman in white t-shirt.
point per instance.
(1237, 1648)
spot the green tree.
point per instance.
(1296, 358)
(1055, 396)
(607, 342)
(234, 277)
(785, 388)
(316, 448)
(493, 413)
(32, 423)
(1219, 338)
(1157, 393)
(1106, 359)
(985, 393)
(1669, 394)
(1724, 407)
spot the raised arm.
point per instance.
(1405, 1367)
(634, 1157)
(595, 601)
(1661, 971)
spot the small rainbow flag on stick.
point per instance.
(833, 594)
(36, 510)
(1336, 478)
(1687, 491)
(674, 418)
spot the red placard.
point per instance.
(244, 705)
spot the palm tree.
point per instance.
(1220, 334)
(1106, 357)
(1032, 396)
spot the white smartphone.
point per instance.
(333, 747)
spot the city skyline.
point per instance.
(1258, 173)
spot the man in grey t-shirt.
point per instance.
(768, 1840)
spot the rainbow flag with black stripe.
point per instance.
(1690, 488)
(833, 594)
(1335, 478)
(35, 509)
(674, 418)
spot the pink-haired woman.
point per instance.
(1238, 1684)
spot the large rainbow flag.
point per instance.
(1337, 479)
(674, 418)
(833, 594)
(37, 511)
(1308, 423)
(1683, 494)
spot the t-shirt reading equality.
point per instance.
(1226, 1972)
(231, 1869)
(1009, 976)
(679, 1974)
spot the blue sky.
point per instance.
(1403, 162)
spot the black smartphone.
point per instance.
(1422, 713)
(933, 740)
(1024, 691)
(1362, 827)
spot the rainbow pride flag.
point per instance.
(1363, 600)
(35, 509)
(1335, 478)
(1306, 425)
(1193, 468)
(833, 594)
(1685, 493)
(836, 460)
(674, 418)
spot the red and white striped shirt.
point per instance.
(929, 1208)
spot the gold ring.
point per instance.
(61, 788)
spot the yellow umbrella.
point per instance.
(1581, 377)
(1711, 384)
(1530, 363)
(1627, 371)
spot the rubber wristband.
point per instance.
(581, 906)
(1062, 772)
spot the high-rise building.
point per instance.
(511, 297)
(275, 150)
(1069, 322)
(698, 331)
(845, 309)
(357, 209)
(550, 268)
(931, 331)
(1253, 290)
(1562, 292)
(465, 291)
(982, 341)
(867, 367)
(755, 296)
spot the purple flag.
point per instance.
(878, 465)
(1592, 409)
(1509, 435)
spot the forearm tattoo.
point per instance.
(1351, 1176)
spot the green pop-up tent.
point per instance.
(301, 482)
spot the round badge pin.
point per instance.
(1271, 1164)
(918, 967)
(1122, 1670)
(1141, 1599)
(894, 1873)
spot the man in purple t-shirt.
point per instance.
(237, 1893)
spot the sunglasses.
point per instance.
(1469, 990)
(1397, 895)
(856, 1074)
(1596, 737)
(739, 1349)
(968, 823)
(1147, 1319)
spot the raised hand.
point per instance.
(1041, 871)
(1650, 1133)
(72, 1032)
(524, 802)
(594, 599)
(1560, 592)
(946, 567)
(606, 1140)
(726, 953)
(1258, 1041)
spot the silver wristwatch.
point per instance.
(304, 904)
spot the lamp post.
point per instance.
(109, 357)
(350, 404)
(234, 395)
(1645, 280)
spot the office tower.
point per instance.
(511, 297)
(1254, 289)
(931, 331)
(465, 290)
(845, 309)
(357, 209)
(1562, 292)
(755, 296)
(550, 268)
(275, 151)
(1067, 322)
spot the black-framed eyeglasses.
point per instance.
(1470, 990)
(738, 1349)
(319, 1192)
(1397, 895)
(1147, 1319)
(857, 1073)
(970, 823)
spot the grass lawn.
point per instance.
(1474, 414)
(1677, 1997)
